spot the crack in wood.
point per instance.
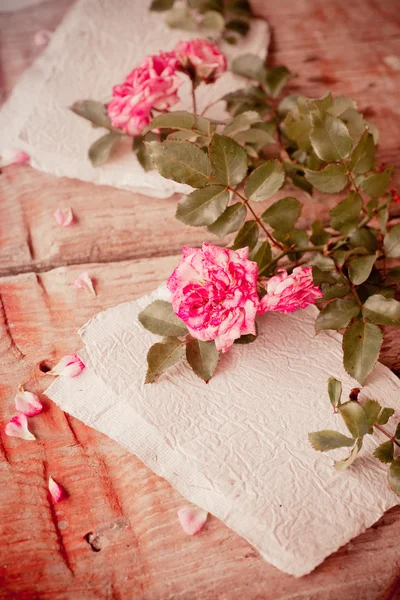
(8, 329)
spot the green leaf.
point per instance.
(100, 150)
(393, 275)
(381, 310)
(376, 185)
(361, 346)
(355, 418)
(397, 433)
(337, 290)
(242, 122)
(202, 357)
(276, 80)
(329, 440)
(181, 120)
(383, 216)
(360, 268)
(230, 220)
(203, 206)
(283, 214)
(391, 242)
(296, 174)
(332, 178)
(319, 236)
(394, 476)
(363, 238)
(179, 17)
(162, 356)
(345, 214)
(95, 112)
(181, 161)
(341, 465)
(337, 315)
(385, 452)
(330, 138)
(265, 181)
(159, 318)
(161, 5)
(261, 254)
(385, 415)
(334, 390)
(240, 26)
(372, 408)
(246, 236)
(250, 66)
(213, 20)
(363, 156)
(228, 159)
(142, 155)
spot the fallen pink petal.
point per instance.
(18, 427)
(13, 156)
(85, 282)
(27, 403)
(57, 492)
(69, 366)
(192, 519)
(42, 37)
(64, 218)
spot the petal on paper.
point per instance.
(192, 519)
(64, 218)
(85, 282)
(57, 492)
(69, 366)
(42, 37)
(18, 427)
(27, 403)
(13, 156)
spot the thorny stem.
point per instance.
(352, 286)
(379, 428)
(295, 249)
(257, 219)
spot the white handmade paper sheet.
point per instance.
(94, 48)
(238, 446)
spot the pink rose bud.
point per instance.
(56, 491)
(202, 57)
(13, 156)
(287, 293)
(27, 403)
(18, 427)
(192, 519)
(64, 218)
(84, 282)
(214, 291)
(69, 366)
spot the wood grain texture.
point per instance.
(129, 244)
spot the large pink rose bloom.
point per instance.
(151, 85)
(287, 293)
(214, 291)
(202, 56)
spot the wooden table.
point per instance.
(129, 245)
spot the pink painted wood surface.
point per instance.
(129, 244)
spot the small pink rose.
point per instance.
(69, 366)
(13, 156)
(203, 57)
(287, 293)
(57, 492)
(192, 519)
(27, 403)
(18, 427)
(64, 218)
(85, 282)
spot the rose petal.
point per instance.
(69, 366)
(64, 217)
(27, 403)
(56, 490)
(85, 282)
(42, 37)
(13, 156)
(18, 427)
(192, 519)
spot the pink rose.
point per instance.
(203, 57)
(151, 85)
(287, 293)
(214, 291)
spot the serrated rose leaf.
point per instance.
(183, 162)
(329, 440)
(331, 179)
(100, 150)
(213, 19)
(246, 236)
(202, 357)
(355, 418)
(159, 318)
(385, 415)
(250, 66)
(334, 390)
(228, 159)
(162, 356)
(242, 122)
(276, 80)
(340, 465)
(337, 315)
(69, 366)
(345, 215)
(18, 427)
(376, 185)
(27, 403)
(57, 492)
(337, 290)
(394, 476)
(265, 181)
(361, 346)
(192, 519)
(363, 155)
(385, 452)
(181, 120)
(203, 206)
(360, 268)
(330, 138)
(319, 235)
(372, 408)
(397, 433)
(84, 282)
(64, 218)
(261, 254)
(93, 111)
(381, 310)
(283, 214)
(230, 220)
(391, 242)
